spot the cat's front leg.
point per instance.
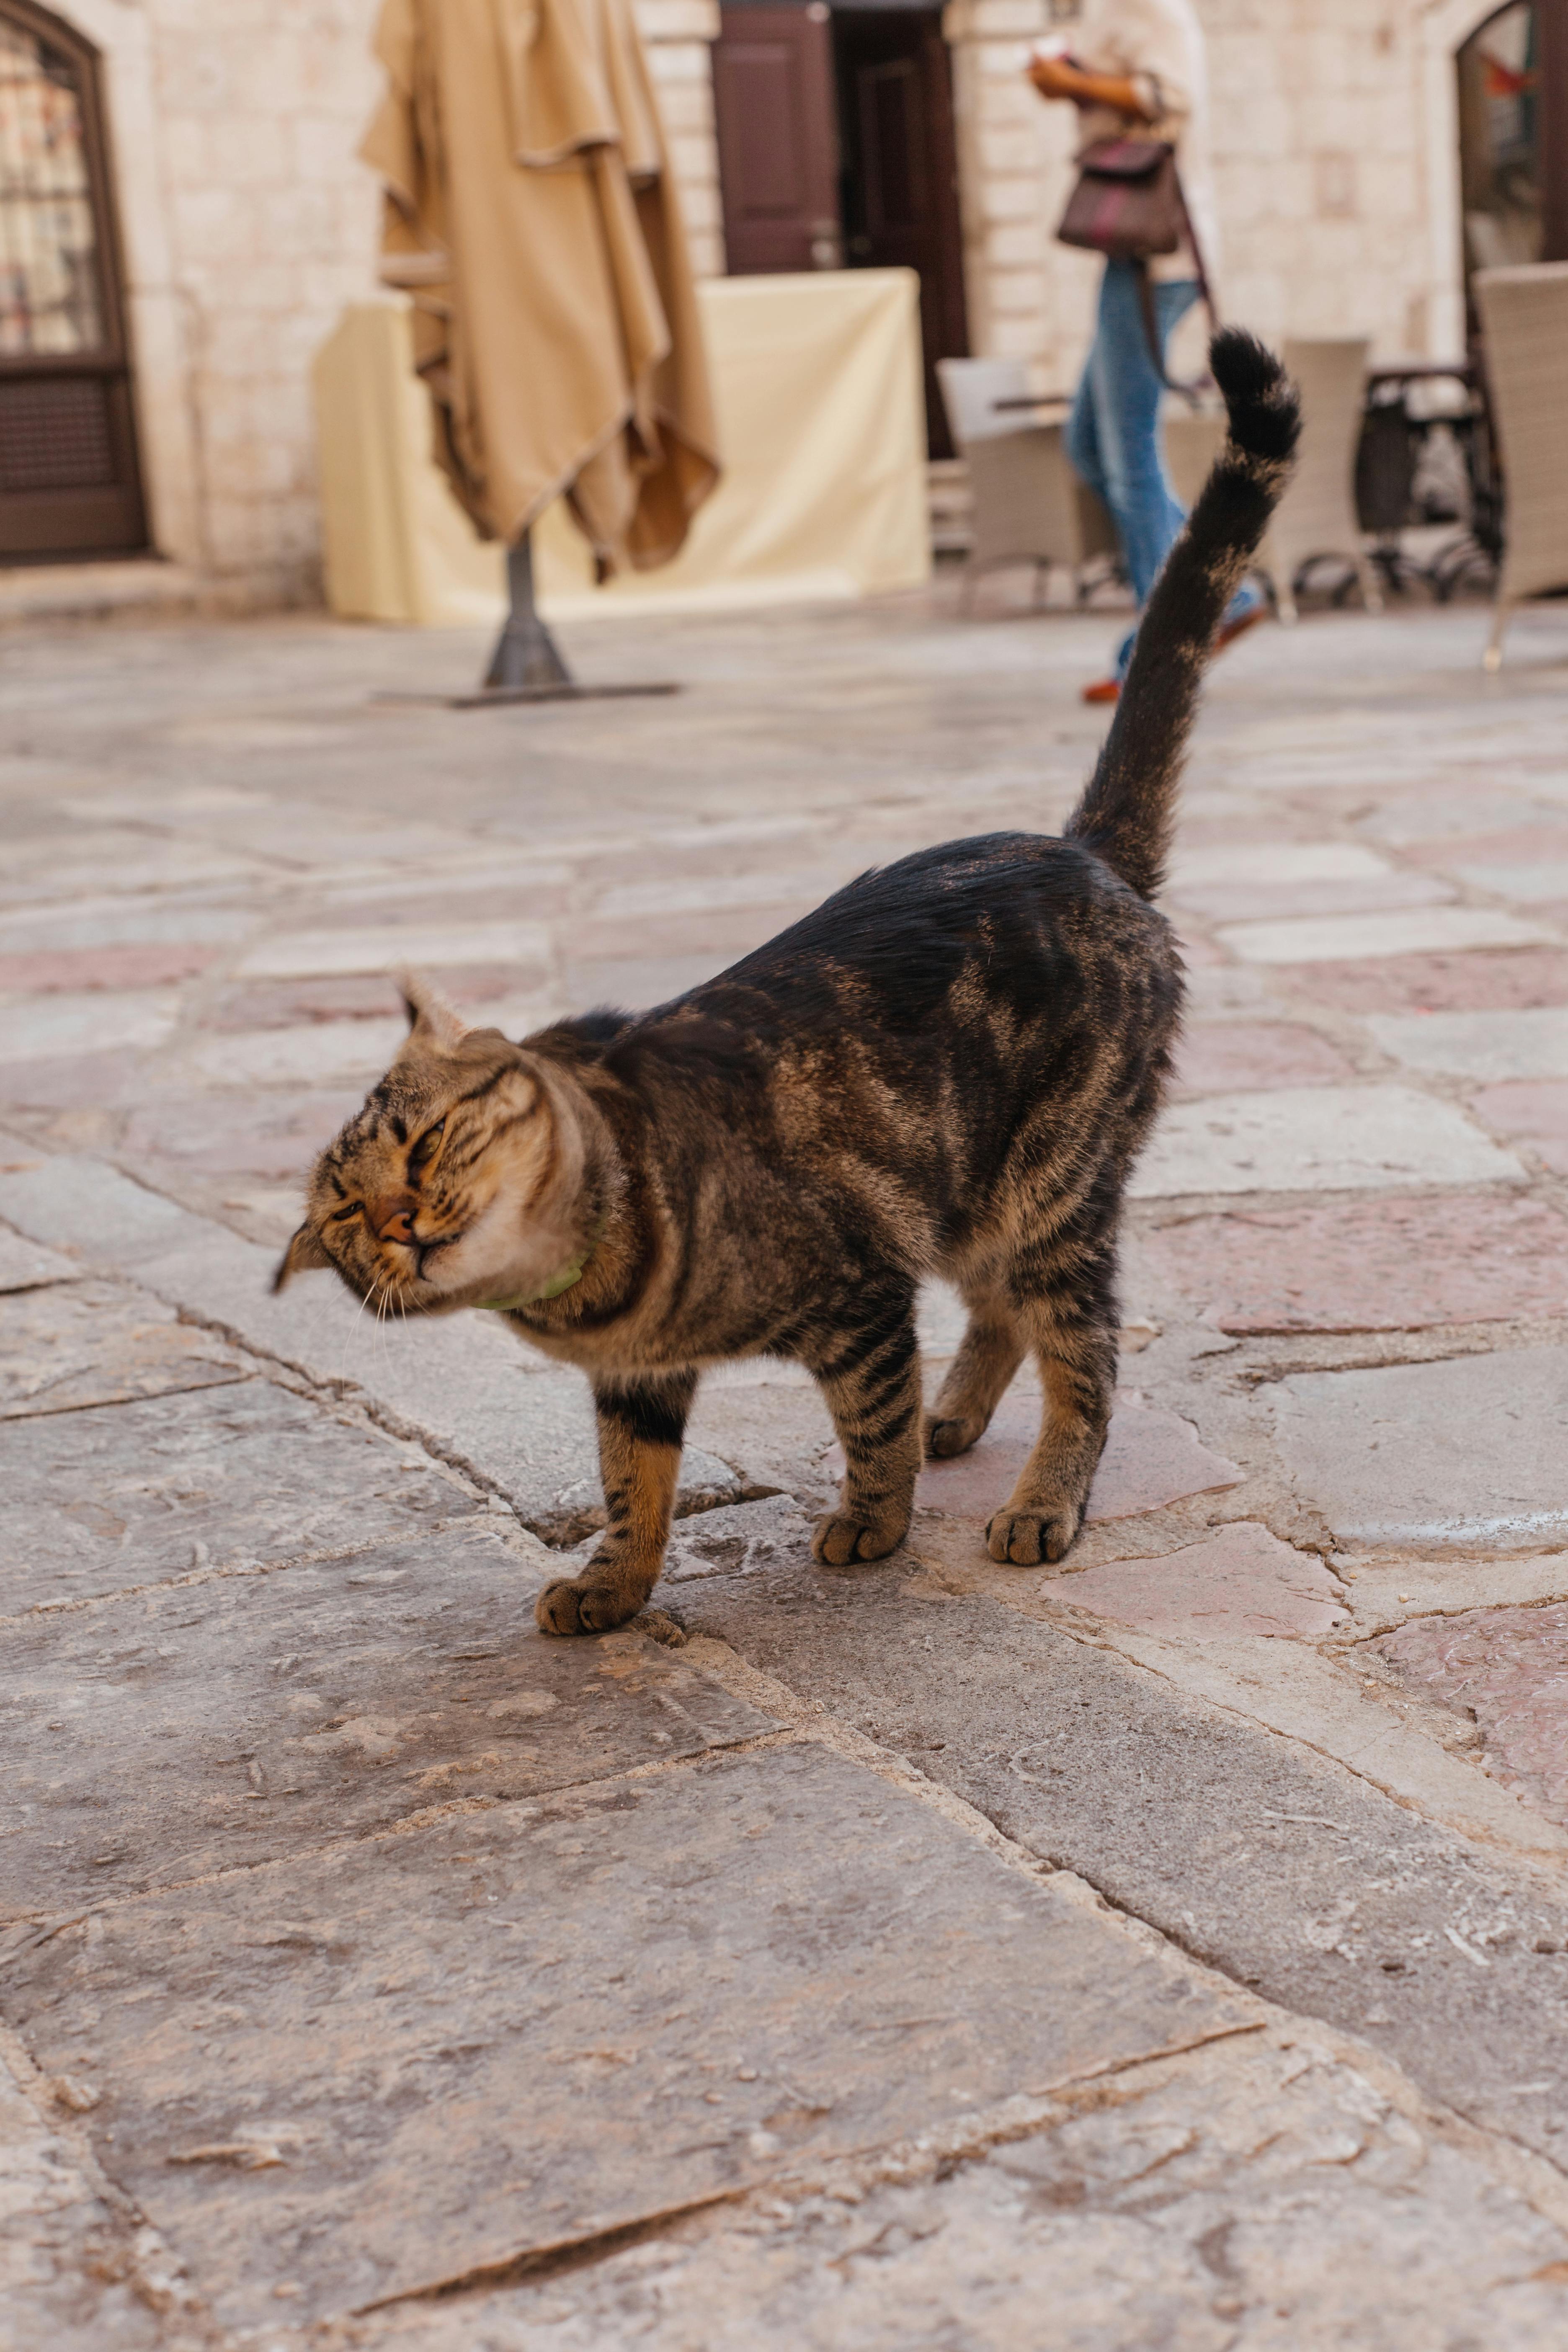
(869, 1372)
(641, 1425)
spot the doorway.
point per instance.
(837, 150)
(68, 480)
(1512, 77)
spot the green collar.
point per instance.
(572, 1272)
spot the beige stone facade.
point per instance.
(249, 224)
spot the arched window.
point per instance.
(68, 485)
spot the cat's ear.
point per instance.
(305, 1255)
(431, 1020)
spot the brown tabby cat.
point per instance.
(947, 1069)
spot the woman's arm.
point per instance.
(1059, 78)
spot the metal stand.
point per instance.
(526, 665)
(525, 660)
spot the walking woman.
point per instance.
(1138, 70)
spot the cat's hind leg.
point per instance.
(991, 1352)
(642, 1423)
(868, 1370)
(1067, 1308)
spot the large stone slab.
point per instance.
(25, 1265)
(1436, 983)
(1507, 1670)
(370, 2070)
(156, 1739)
(1229, 1057)
(87, 1343)
(465, 1381)
(232, 1477)
(67, 2264)
(1256, 1852)
(356, 948)
(1241, 1579)
(1369, 1266)
(1530, 1111)
(1473, 1451)
(1526, 1042)
(1261, 2192)
(1315, 1140)
(1417, 930)
(1151, 1458)
(37, 1028)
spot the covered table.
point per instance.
(817, 390)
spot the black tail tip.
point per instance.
(1263, 405)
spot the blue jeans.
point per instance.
(1113, 438)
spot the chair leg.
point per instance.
(966, 593)
(1371, 594)
(1492, 660)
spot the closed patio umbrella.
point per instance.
(531, 215)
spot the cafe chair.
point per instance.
(1027, 504)
(1524, 326)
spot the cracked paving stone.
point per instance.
(1250, 1850)
(1506, 1669)
(1240, 1579)
(1255, 2196)
(1468, 1452)
(163, 1736)
(24, 1265)
(68, 2269)
(375, 2069)
(1151, 1458)
(90, 1343)
(1476, 982)
(240, 1477)
(1369, 1265)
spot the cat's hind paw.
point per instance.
(946, 1434)
(1024, 1538)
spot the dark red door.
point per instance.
(67, 445)
(900, 173)
(778, 147)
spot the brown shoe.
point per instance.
(1104, 690)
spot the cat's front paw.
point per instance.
(583, 1605)
(1027, 1537)
(841, 1537)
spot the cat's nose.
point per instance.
(398, 1227)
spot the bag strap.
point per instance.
(1193, 392)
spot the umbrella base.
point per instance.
(483, 697)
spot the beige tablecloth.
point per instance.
(816, 383)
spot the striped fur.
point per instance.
(947, 1069)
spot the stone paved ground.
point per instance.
(1169, 1950)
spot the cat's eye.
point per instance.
(425, 1149)
(342, 1216)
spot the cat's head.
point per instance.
(460, 1182)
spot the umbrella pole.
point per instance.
(525, 658)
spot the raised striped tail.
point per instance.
(1128, 812)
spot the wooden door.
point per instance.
(778, 148)
(68, 482)
(900, 175)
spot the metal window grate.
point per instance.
(50, 295)
(54, 435)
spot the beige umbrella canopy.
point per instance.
(531, 214)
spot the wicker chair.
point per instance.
(1027, 504)
(1524, 320)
